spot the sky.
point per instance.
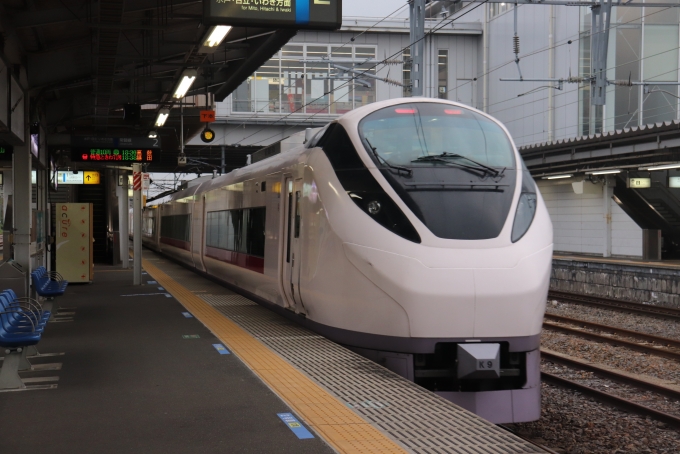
(372, 8)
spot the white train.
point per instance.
(408, 230)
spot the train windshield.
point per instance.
(420, 133)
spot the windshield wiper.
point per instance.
(443, 158)
(382, 160)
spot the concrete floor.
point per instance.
(130, 383)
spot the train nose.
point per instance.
(438, 302)
(447, 301)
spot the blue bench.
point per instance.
(22, 322)
(48, 284)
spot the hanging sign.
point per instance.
(299, 14)
(114, 154)
(91, 177)
(68, 177)
(639, 183)
(207, 116)
(674, 182)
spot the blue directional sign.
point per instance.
(293, 424)
(299, 14)
(221, 349)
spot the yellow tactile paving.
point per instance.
(343, 429)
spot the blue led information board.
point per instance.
(299, 14)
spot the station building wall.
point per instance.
(579, 221)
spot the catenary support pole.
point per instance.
(417, 19)
(137, 224)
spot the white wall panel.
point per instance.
(578, 222)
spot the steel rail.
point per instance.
(614, 329)
(611, 303)
(619, 402)
(665, 353)
(612, 375)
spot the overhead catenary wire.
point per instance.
(567, 41)
(433, 30)
(342, 46)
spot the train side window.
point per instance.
(318, 136)
(339, 149)
(177, 226)
(240, 230)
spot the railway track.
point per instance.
(616, 304)
(649, 344)
(611, 374)
(658, 347)
(611, 399)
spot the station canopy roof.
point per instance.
(81, 61)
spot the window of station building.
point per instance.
(237, 230)
(443, 74)
(496, 9)
(642, 47)
(341, 83)
(176, 227)
(317, 80)
(292, 78)
(406, 72)
(290, 83)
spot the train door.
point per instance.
(201, 226)
(292, 257)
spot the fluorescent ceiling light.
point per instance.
(557, 177)
(604, 172)
(664, 167)
(163, 115)
(216, 34)
(188, 78)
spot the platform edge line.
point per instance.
(244, 345)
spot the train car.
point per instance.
(408, 230)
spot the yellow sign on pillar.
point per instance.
(91, 177)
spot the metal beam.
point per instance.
(52, 16)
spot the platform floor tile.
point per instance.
(354, 403)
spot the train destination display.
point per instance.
(300, 14)
(79, 154)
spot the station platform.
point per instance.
(182, 364)
(666, 264)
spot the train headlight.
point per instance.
(373, 207)
(526, 209)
